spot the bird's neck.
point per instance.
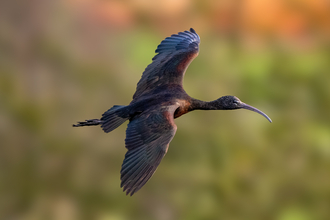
(202, 105)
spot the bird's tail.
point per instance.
(114, 117)
(110, 120)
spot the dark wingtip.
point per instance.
(128, 192)
(192, 30)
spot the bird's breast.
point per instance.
(182, 109)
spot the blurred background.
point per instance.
(66, 61)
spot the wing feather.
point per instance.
(147, 140)
(174, 54)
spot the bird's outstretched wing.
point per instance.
(174, 54)
(147, 140)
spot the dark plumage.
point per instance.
(158, 100)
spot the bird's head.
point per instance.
(231, 102)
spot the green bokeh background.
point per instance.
(62, 62)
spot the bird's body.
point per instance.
(158, 100)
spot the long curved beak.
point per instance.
(249, 107)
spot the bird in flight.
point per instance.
(159, 99)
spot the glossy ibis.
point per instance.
(159, 99)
